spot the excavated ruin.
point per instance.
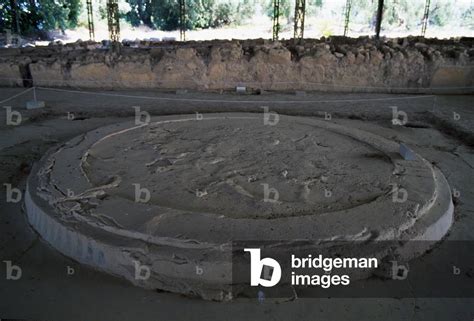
(173, 195)
(413, 65)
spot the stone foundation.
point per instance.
(413, 65)
(204, 178)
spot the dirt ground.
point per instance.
(439, 128)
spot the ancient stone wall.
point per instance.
(412, 65)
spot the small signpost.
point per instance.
(35, 104)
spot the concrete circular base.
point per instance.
(161, 203)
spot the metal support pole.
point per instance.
(113, 20)
(15, 17)
(90, 19)
(425, 18)
(276, 19)
(182, 20)
(379, 19)
(347, 14)
(299, 19)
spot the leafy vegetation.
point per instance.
(164, 14)
(287, 8)
(35, 16)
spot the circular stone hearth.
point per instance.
(173, 194)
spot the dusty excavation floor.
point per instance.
(196, 172)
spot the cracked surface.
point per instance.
(223, 166)
(205, 182)
(204, 178)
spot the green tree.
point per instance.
(467, 18)
(364, 12)
(141, 11)
(440, 13)
(164, 14)
(405, 14)
(35, 17)
(59, 14)
(287, 8)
